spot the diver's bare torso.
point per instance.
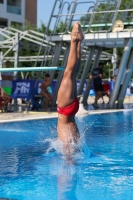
(67, 128)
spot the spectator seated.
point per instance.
(45, 97)
(4, 100)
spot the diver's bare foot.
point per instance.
(77, 34)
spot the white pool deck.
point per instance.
(24, 116)
(31, 115)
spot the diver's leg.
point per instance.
(67, 87)
(78, 66)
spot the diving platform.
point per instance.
(109, 39)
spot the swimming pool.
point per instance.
(28, 173)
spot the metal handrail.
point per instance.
(112, 9)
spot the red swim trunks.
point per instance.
(70, 110)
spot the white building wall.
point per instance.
(11, 17)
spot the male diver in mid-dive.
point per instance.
(68, 103)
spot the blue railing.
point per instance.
(14, 10)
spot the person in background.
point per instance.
(106, 89)
(96, 78)
(117, 68)
(46, 90)
(7, 78)
(6, 82)
(114, 78)
(67, 101)
(4, 99)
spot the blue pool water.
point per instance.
(28, 172)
